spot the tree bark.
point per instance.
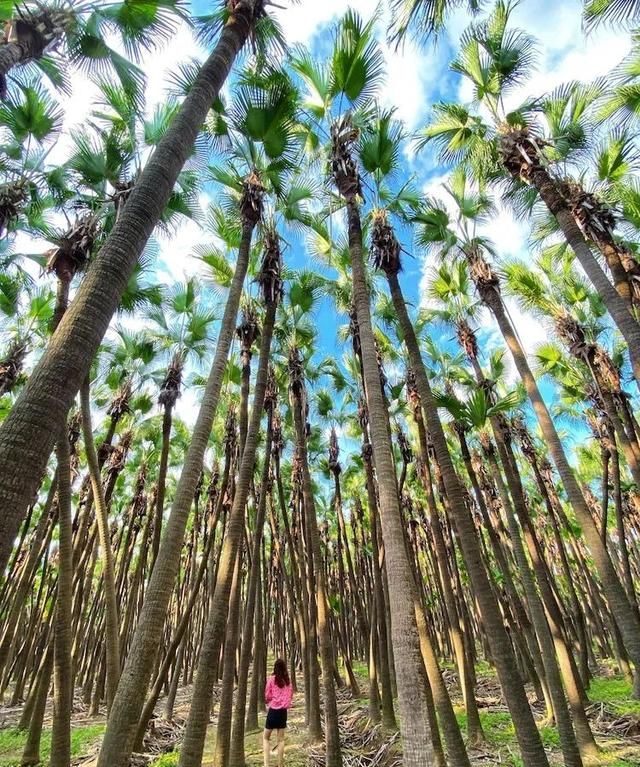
(195, 734)
(531, 747)
(412, 693)
(112, 621)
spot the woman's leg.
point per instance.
(266, 736)
(281, 748)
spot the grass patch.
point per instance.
(12, 743)
(167, 760)
(616, 692)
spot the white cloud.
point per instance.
(565, 54)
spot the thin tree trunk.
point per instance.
(63, 694)
(131, 693)
(195, 734)
(112, 621)
(626, 618)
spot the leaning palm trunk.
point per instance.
(521, 158)
(568, 739)
(130, 696)
(196, 731)
(112, 622)
(526, 731)
(237, 755)
(28, 433)
(626, 618)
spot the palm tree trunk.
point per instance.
(625, 616)
(619, 310)
(531, 747)
(11, 55)
(568, 740)
(332, 735)
(112, 621)
(129, 701)
(237, 756)
(412, 692)
(63, 694)
(28, 433)
(225, 707)
(195, 734)
(162, 482)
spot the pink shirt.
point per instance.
(277, 697)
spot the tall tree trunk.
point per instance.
(28, 433)
(237, 756)
(131, 693)
(518, 146)
(195, 734)
(531, 747)
(625, 616)
(63, 694)
(412, 692)
(333, 757)
(112, 621)
(162, 482)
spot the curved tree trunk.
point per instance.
(618, 308)
(28, 433)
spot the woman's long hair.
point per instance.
(281, 673)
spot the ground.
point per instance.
(614, 715)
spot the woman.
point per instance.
(278, 695)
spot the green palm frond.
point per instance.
(357, 64)
(625, 13)
(30, 111)
(423, 19)
(380, 145)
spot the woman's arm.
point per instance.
(267, 692)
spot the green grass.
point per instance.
(166, 760)
(12, 743)
(617, 693)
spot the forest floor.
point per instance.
(615, 719)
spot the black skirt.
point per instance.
(276, 719)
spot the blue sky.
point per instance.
(415, 79)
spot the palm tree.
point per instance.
(130, 698)
(356, 70)
(184, 324)
(464, 241)
(62, 369)
(424, 18)
(618, 12)
(61, 32)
